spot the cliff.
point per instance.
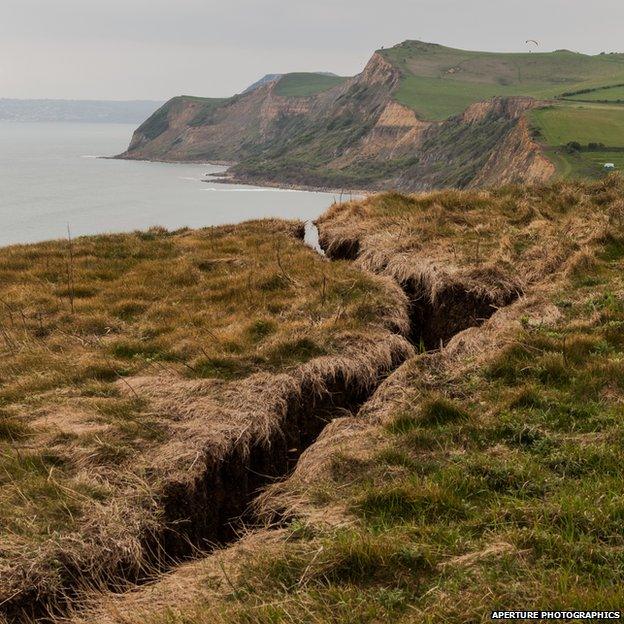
(389, 126)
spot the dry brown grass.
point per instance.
(491, 242)
(484, 474)
(133, 365)
(442, 466)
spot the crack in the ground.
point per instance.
(209, 512)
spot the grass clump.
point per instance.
(12, 429)
(439, 411)
(403, 423)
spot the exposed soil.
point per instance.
(433, 323)
(209, 511)
(199, 514)
(455, 309)
(221, 497)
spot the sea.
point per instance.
(55, 179)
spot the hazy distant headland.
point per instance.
(90, 111)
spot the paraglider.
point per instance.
(536, 43)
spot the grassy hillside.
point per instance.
(205, 110)
(485, 474)
(321, 134)
(438, 81)
(605, 94)
(306, 84)
(158, 123)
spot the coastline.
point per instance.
(224, 177)
(107, 198)
(220, 178)
(216, 163)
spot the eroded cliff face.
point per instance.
(517, 159)
(508, 107)
(379, 71)
(252, 123)
(396, 133)
(192, 129)
(488, 145)
(355, 135)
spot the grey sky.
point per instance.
(153, 49)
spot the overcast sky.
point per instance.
(153, 49)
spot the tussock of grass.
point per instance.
(12, 429)
(403, 423)
(345, 557)
(440, 411)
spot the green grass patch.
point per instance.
(304, 84)
(439, 81)
(607, 94)
(562, 124)
(440, 411)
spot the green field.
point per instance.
(613, 94)
(440, 98)
(305, 84)
(561, 124)
(583, 165)
(439, 82)
(583, 123)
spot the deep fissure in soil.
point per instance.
(208, 512)
(455, 309)
(222, 497)
(432, 323)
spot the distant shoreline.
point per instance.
(47, 110)
(225, 178)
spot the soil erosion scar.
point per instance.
(206, 511)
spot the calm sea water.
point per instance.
(50, 177)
